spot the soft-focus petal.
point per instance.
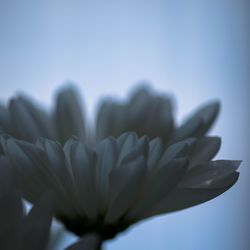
(204, 150)
(83, 162)
(199, 123)
(125, 182)
(159, 185)
(114, 117)
(5, 122)
(106, 161)
(69, 116)
(29, 121)
(155, 152)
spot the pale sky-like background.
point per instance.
(195, 49)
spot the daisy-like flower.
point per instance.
(107, 187)
(17, 230)
(145, 112)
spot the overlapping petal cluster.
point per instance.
(134, 162)
(145, 112)
(109, 186)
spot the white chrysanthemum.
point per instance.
(17, 230)
(107, 187)
(145, 112)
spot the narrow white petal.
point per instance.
(83, 162)
(155, 151)
(179, 149)
(159, 186)
(106, 160)
(204, 150)
(125, 142)
(126, 183)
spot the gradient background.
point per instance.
(197, 50)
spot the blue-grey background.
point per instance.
(196, 50)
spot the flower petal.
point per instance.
(157, 187)
(176, 150)
(157, 121)
(209, 175)
(24, 160)
(204, 150)
(83, 162)
(182, 197)
(155, 152)
(111, 119)
(69, 117)
(140, 148)
(26, 127)
(199, 123)
(5, 122)
(35, 174)
(125, 184)
(125, 142)
(107, 153)
(39, 116)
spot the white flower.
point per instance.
(107, 187)
(145, 112)
(17, 230)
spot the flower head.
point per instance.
(145, 112)
(107, 187)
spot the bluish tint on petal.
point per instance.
(125, 182)
(69, 116)
(204, 150)
(199, 123)
(109, 186)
